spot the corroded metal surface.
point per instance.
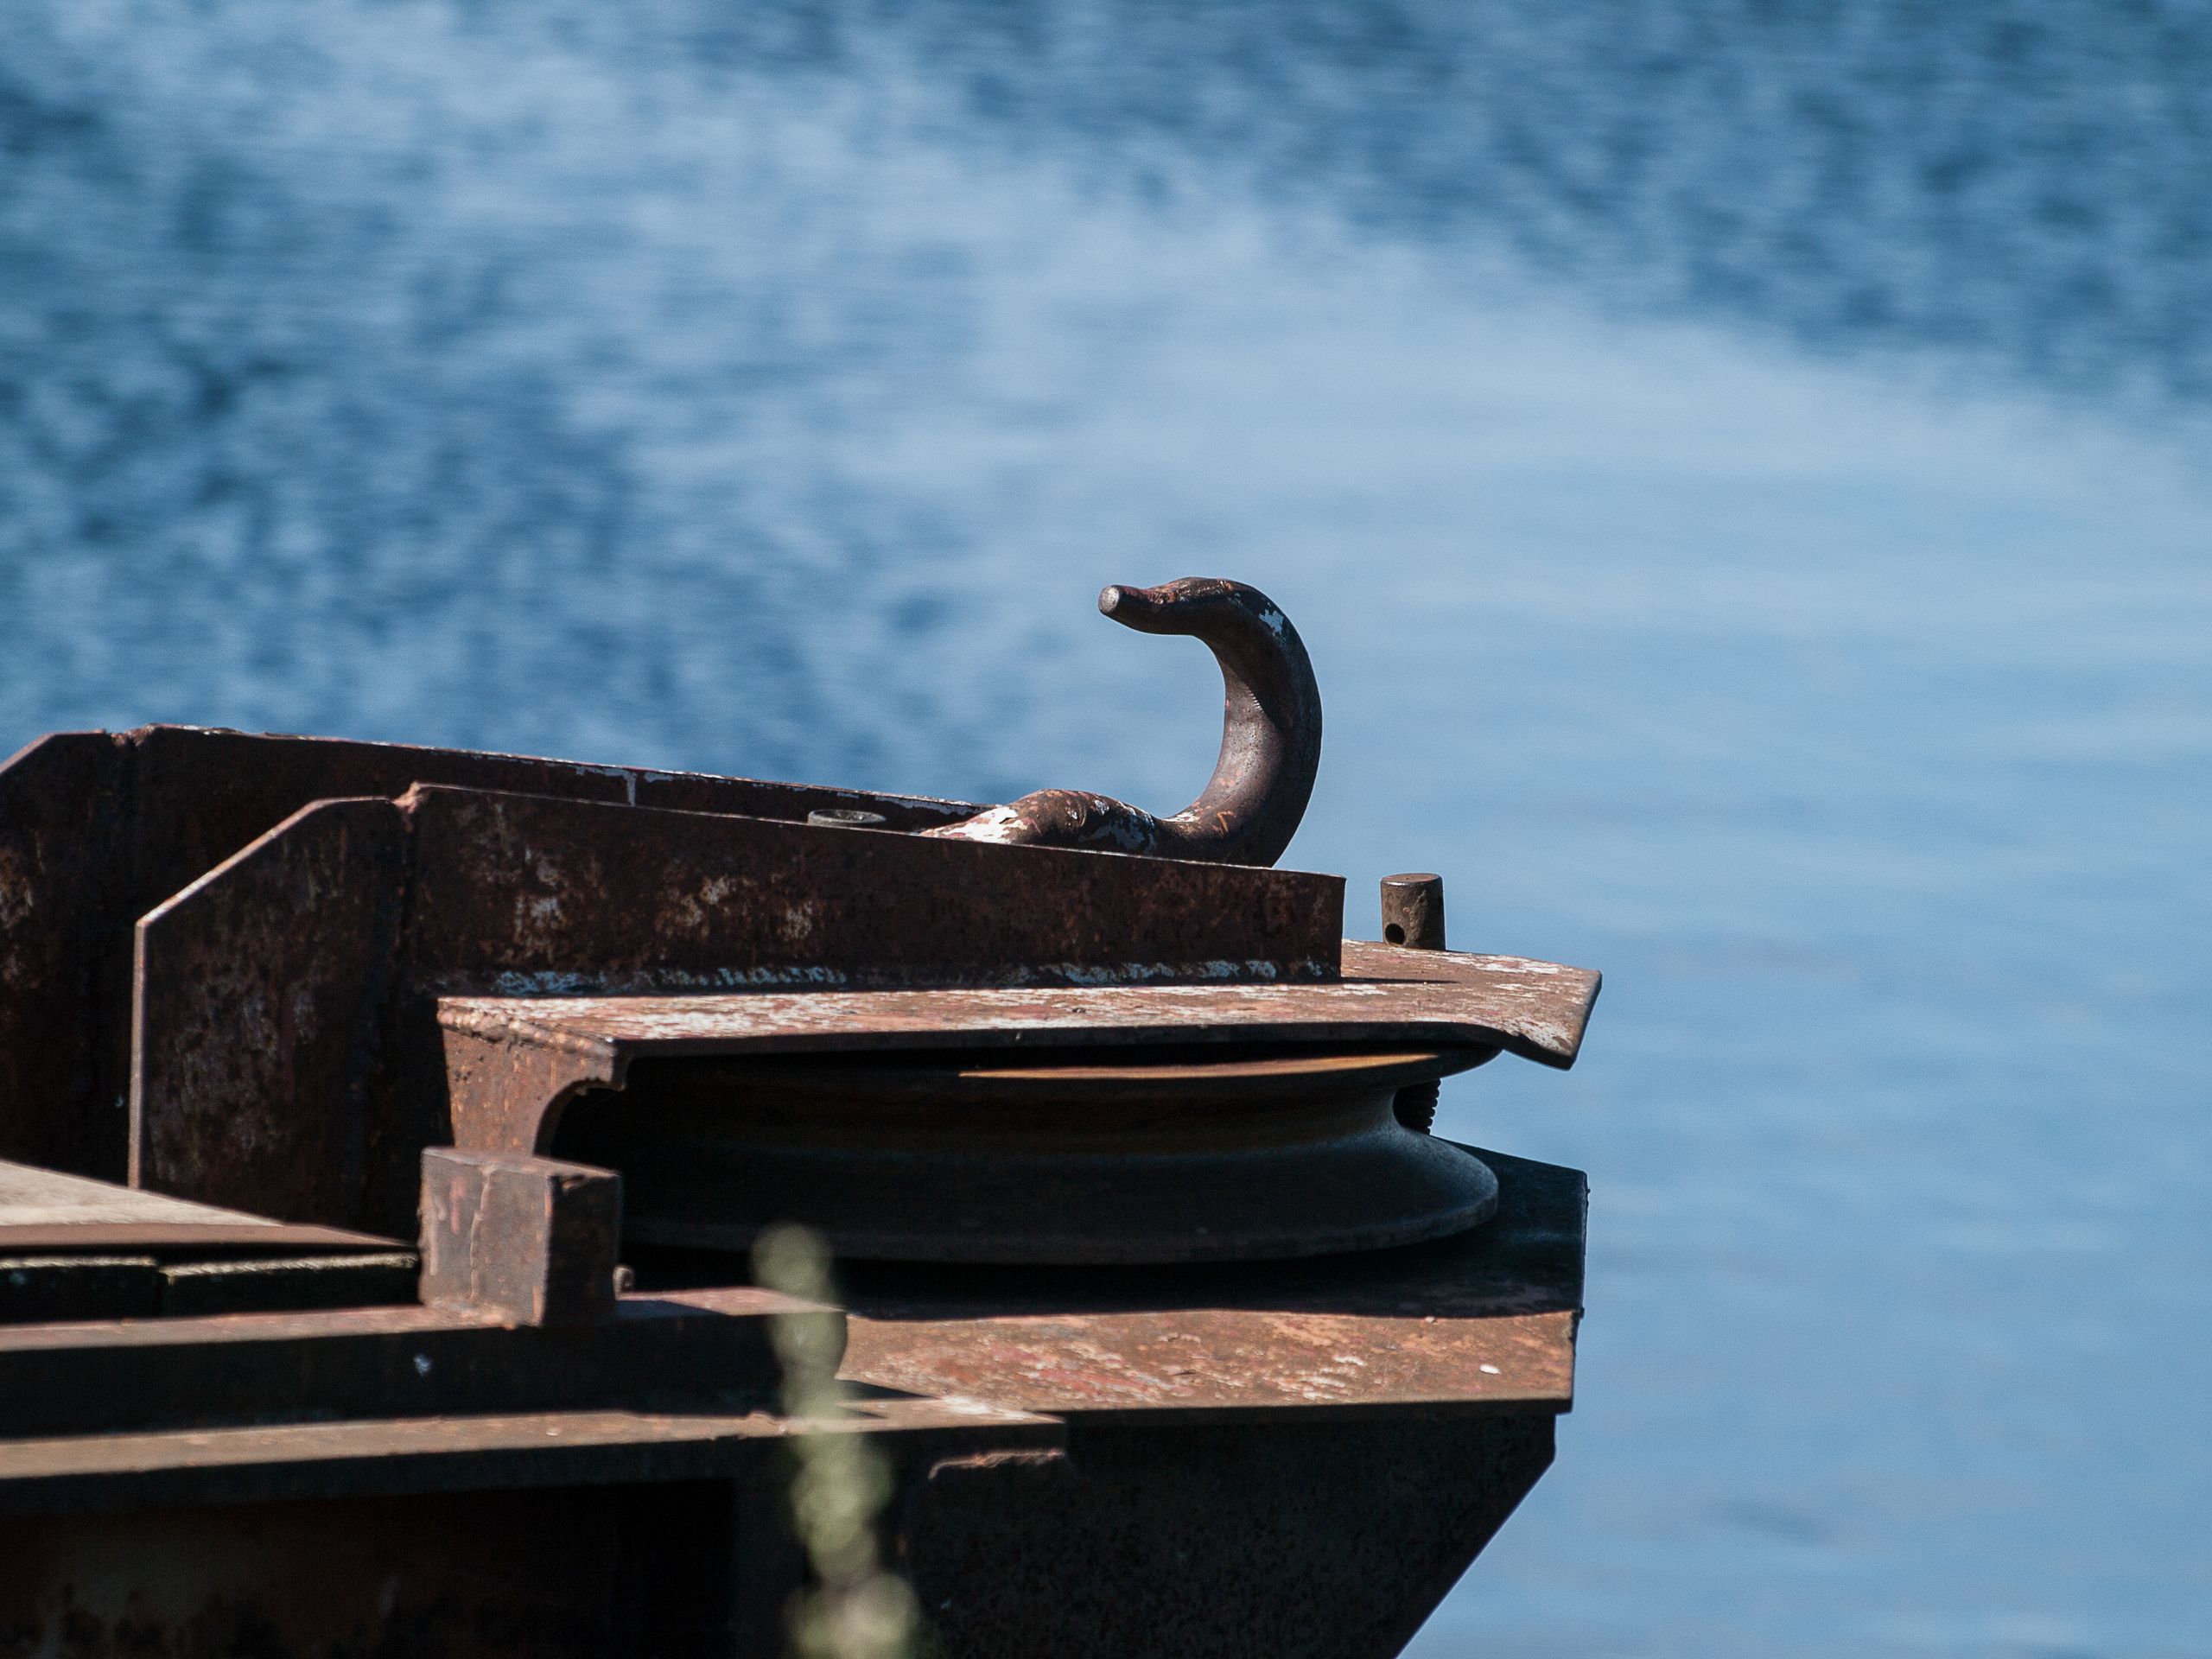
(1211, 1361)
(1481, 1321)
(510, 1095)
(1226, 1361)
(97, 828)
(518, 894)
(247, 1023)
(1387, 996)
(531, 1239)
(1270, 740)
(287, 1060)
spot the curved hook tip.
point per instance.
(1125, 605)
(1150, 610)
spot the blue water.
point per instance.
(1740, 469)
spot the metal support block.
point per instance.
(531, 1239)
(1413, 911)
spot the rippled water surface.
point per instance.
(1740, 469)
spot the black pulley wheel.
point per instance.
(1082, 1157)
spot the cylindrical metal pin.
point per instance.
(1413, 911)
(1412, 915)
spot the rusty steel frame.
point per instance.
(309, 965)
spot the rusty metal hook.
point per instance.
(1270, 740)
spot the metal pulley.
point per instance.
(1092, 1156)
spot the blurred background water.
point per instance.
(1740, 468)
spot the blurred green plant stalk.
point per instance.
(853, 1608)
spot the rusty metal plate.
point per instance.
(1212, 1360)
(1387, 996)
(522, 893)
(255, 1047)
(1480, 1322)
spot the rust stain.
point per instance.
(1211, 1359)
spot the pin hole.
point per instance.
(1395, 934)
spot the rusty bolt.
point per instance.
(1413, 911)
(1412, 915)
